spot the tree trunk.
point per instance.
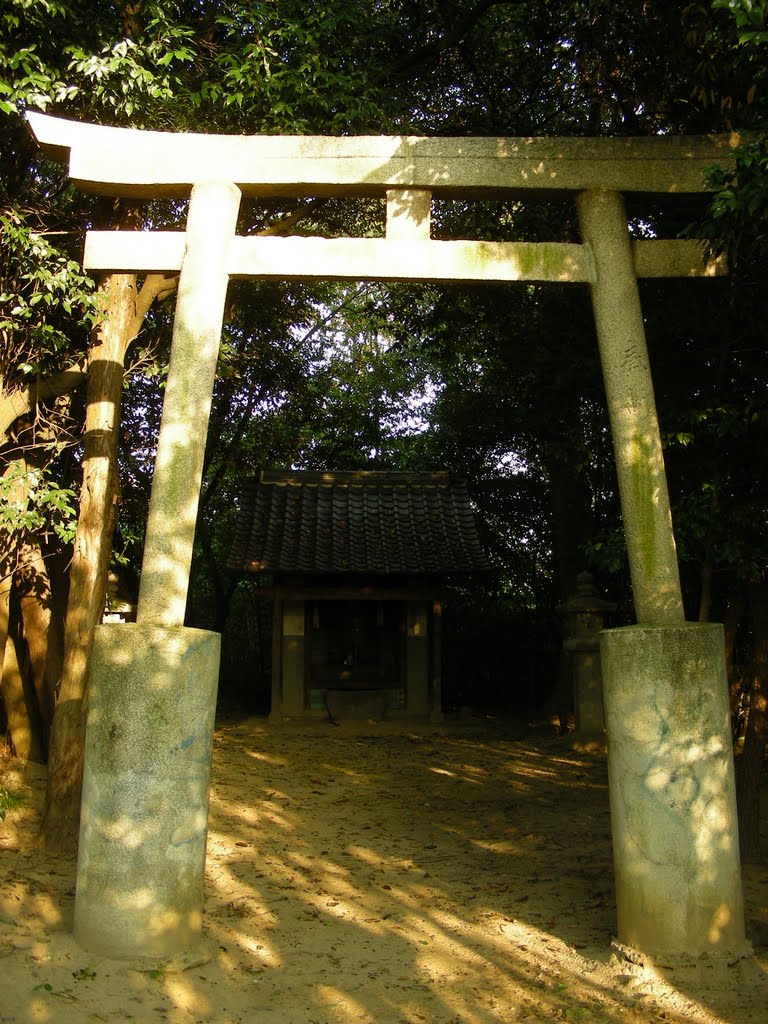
(22, 723)
(34, 588)
(756, 736)
(6, 582)
(90, 559)
(19, 699)
(123, 315)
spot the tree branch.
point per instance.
(155, 286)
(287, 223)
(22, 401)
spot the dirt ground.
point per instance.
(452, 875)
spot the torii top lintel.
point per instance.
(149, 164)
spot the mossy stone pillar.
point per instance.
(673, 804)
(153, 683)
(202, 292)
(670, 762)
(144, 812)
(632, 409)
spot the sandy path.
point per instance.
(454, 876)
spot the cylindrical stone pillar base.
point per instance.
(144, 814)
(673, 803)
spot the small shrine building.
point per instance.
(357, 563)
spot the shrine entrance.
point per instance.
(154, 682)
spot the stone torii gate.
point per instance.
(153, 683)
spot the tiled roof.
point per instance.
(365, 522)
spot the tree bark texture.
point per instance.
(90, 558)
(6, 582)
(28, 709)
(22, 723)
(123, 314)
(21, 719)
(36, 601)
(8, 551)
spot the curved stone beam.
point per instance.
(147, 164)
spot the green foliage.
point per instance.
(289, 67)
(127, 78)
(750, 17)
(46, 302)
(737, 220)
(28, 78)
(31, 501)
(721, 507)
(47, 307)
(240, 65)
(500, 385)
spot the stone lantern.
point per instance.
(585, 615)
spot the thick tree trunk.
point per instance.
(6, 582)
(25, 737)
(124, 312)
(23, 724)
(756, 736)
(18, 695)
(90, 559)
(9, 543)
(35, 597)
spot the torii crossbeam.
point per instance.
(675, 849)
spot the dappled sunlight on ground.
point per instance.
(450, 876)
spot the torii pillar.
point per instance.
(670, 758)
(153, 684)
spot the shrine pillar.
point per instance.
(673, 803)
(670, 762)
(153, 684)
